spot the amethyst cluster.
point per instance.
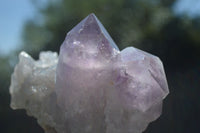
(92, 87)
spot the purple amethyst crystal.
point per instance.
(93, 87)
(103, 90)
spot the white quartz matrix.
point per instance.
(92, 87)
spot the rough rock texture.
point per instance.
(33, 88)
(95, 88)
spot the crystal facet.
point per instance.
(98, 88)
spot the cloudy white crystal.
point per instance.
(92, 87)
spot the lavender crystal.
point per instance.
(98, 88)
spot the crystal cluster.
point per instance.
(93, 87)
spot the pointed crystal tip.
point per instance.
(91, 29)
(92, 15)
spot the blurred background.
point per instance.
(169, 29)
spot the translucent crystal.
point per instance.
(92, 87)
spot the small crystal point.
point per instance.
(146, 81)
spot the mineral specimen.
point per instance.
(92, 87)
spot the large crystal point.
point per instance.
(93, 87)
(84, 74)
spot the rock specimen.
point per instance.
(92, 87)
